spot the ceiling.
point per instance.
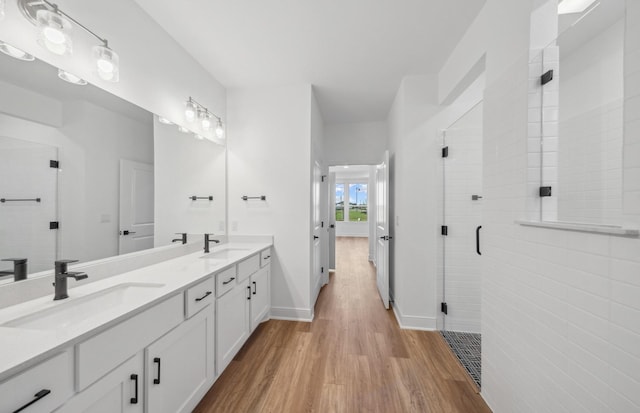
(354, 52)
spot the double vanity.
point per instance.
(153, 339)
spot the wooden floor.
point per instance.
(353, 357)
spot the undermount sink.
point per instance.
(225, 253)
(75, 310)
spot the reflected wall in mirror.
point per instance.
(93, 133)
(582, 116)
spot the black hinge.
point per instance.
(321, 224)
(323, 177)
(444, 230)
(443, 308)
(54, 164)
(546, 78)
(54, 225)
(322, 269)
(445, 152)
(545, 191)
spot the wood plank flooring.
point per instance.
(352, 358)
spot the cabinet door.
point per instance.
(180, 365)
(232, 323)
(118, 392)
(260, 296)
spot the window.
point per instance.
(358, 200)
(339, 202)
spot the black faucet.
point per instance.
(183, 237)
(207, 241)
(61, 278)
(19, 269)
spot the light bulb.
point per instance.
(219, 130)
(206, 121)
(14, 52)
(190, 111)
(71, 78)
(107, 63)
(53, 32)
(164, 120)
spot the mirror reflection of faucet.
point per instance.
(183, 237)
(61, 275)
(208, 240)
(19, 269)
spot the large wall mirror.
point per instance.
(582, 114)
(86, 175)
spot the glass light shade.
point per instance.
(14, 52)
(54, 32)
(190, 111)
(71, 78)
(206, 121)
(219, 130)
(164, 120)
(107, 63)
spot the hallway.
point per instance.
(353, 357)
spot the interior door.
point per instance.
(317, 226)
(331, 228)
(382, 229)
(136, 206)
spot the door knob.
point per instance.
(125, 232)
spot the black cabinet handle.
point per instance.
(157, 380)
(228, 281)
(134, 399)
(478, 240)
(267, 257)
(249, 297)
(315, 237)
(39, 395)
(255, 289)
(208, 293)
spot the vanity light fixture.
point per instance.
(54, 33)
(14, 52)
(71, 78)
(574, 6)
(193, 109)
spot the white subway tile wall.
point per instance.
(560, 309)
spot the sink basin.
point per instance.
(225, 253)
(76, 310)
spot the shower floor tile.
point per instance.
(466, 347)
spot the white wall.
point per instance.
(269, 153)
(358, 143)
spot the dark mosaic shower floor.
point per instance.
(466, 346)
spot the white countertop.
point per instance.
(21, 348)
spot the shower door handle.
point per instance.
(478, 239)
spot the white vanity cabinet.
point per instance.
(242, 308)
(180, 365)
(232, 323)
(41, 388)
(120, 391)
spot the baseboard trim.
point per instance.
(408, 322)
(291, 314)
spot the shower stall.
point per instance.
(461, 234)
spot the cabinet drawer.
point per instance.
(265, 257)
(248, 267)
(199, 296)
(46, 385)
(105, 351)
(224, 280)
